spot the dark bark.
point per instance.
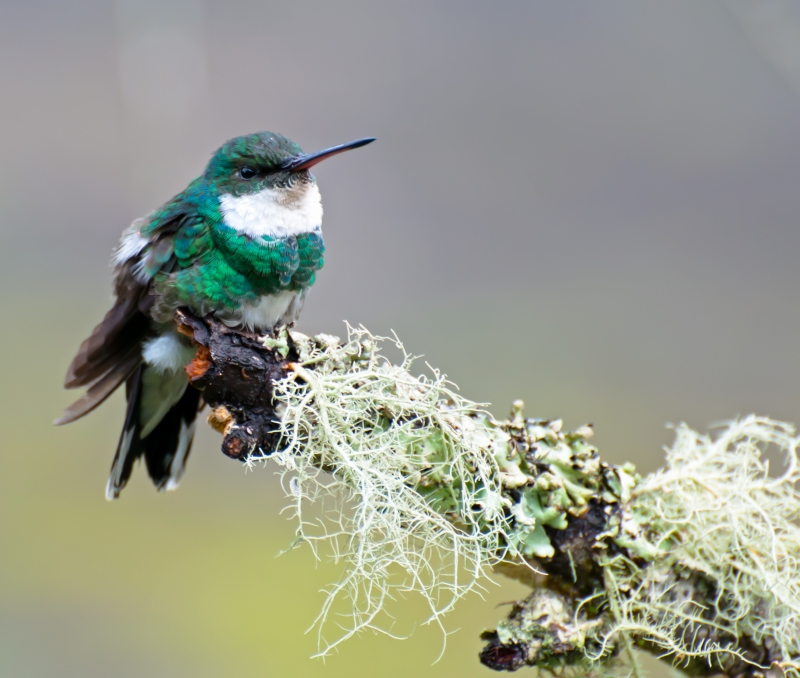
(236, 372)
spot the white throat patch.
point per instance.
(273, 212)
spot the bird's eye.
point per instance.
(247, 172)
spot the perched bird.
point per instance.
(242, 242)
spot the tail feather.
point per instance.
(161, 410)
(129, 448)
(165, 449)
(169, 444)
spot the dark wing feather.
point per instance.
(103, 386)
(114, 349)
(113, 336)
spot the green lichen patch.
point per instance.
(712, 574)
(422, 489)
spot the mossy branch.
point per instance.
(422, 490)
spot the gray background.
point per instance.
(590, 206)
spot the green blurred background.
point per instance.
(590, 206)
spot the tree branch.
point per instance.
(698, 564)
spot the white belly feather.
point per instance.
(282, 307)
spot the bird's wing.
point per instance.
(114, 349)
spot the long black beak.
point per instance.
(308, 160)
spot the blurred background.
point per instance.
(590, 206)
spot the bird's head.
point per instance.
(265, 160)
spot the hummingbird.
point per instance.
(243, 243)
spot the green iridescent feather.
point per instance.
(200, 262)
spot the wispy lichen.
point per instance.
(405, 471)
(420, 490)
(716, 517)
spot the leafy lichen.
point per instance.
(715, 516)
(421, 490)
